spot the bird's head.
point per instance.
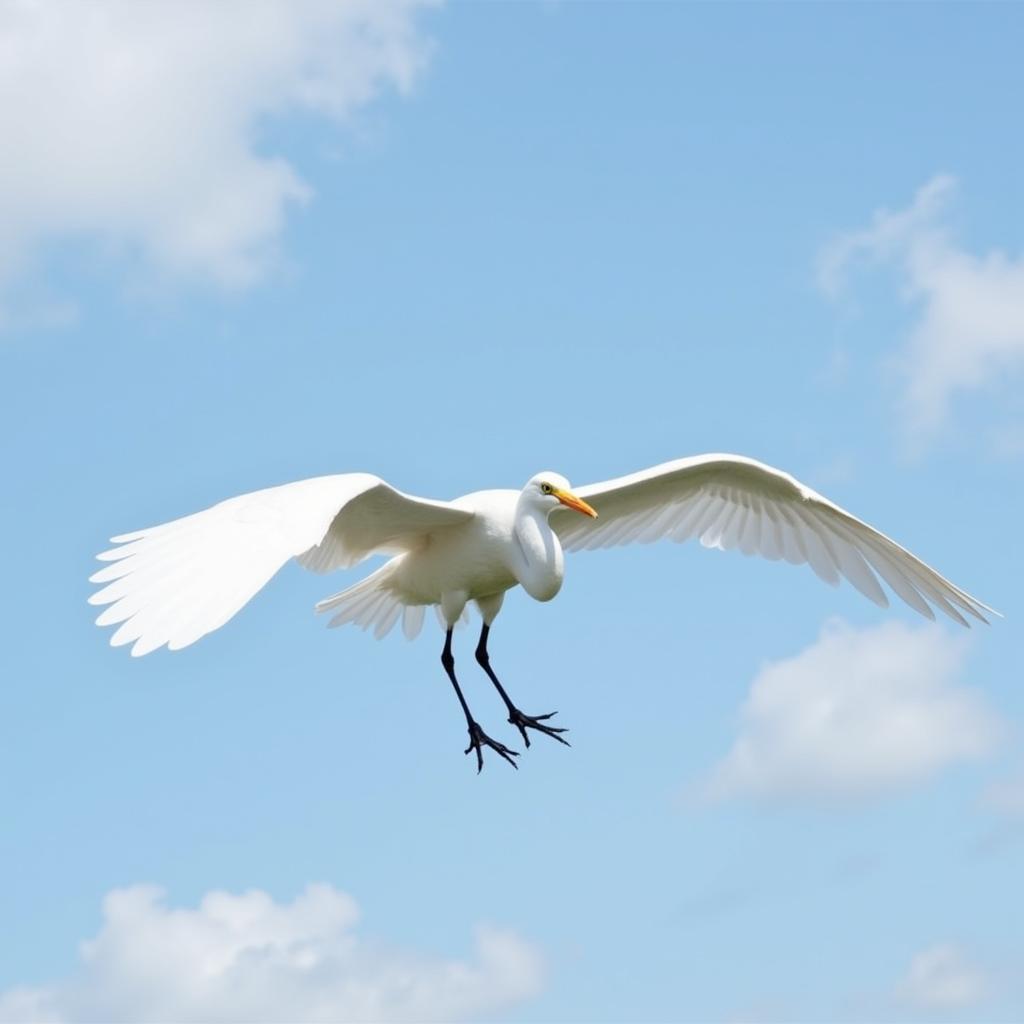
(548, 491)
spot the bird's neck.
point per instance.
(539, 563)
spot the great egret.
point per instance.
(174, 583)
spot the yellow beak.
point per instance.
(569, 500)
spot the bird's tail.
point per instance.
(373, 603)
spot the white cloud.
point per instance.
(941, 978)
(248, 958)
(970, 331)
(138, 125)
(858, 713)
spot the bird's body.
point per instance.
(475, 559)
(173, 583)
(501, 546)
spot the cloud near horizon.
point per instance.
(969, 331)
(859, 713)
(137, 126)
(248, 958)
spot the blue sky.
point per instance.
(454, 245)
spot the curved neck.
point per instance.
(539, 563)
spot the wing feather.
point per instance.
(896, 579)
(792, 546)
(734, 503)
(690, 512)
(655, 529)
(704, 529)
(714, 534)
(852, 565)
(172, 584)
(732, 533)
(412, 620)
(817, 554)
(750, 536)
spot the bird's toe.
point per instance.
(478, 739)
(523, 722)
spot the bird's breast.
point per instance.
(472, 559)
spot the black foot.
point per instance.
(523, 722)
(478, 739)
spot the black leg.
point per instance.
(477, 737)
(515, 716)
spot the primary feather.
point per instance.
(731, 502)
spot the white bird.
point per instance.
(172, 584)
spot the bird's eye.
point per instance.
(546, 488)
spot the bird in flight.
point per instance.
(174, 583)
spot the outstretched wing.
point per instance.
(174, 583)
(727, 502)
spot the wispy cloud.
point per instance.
(138, 126)
(859, 713)
(942, 978)
(969, 330)
(1006, 796)
(248, 958)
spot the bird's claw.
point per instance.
(523, 722)
(478, 739)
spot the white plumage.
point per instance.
(730, 502)
(171, 584)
